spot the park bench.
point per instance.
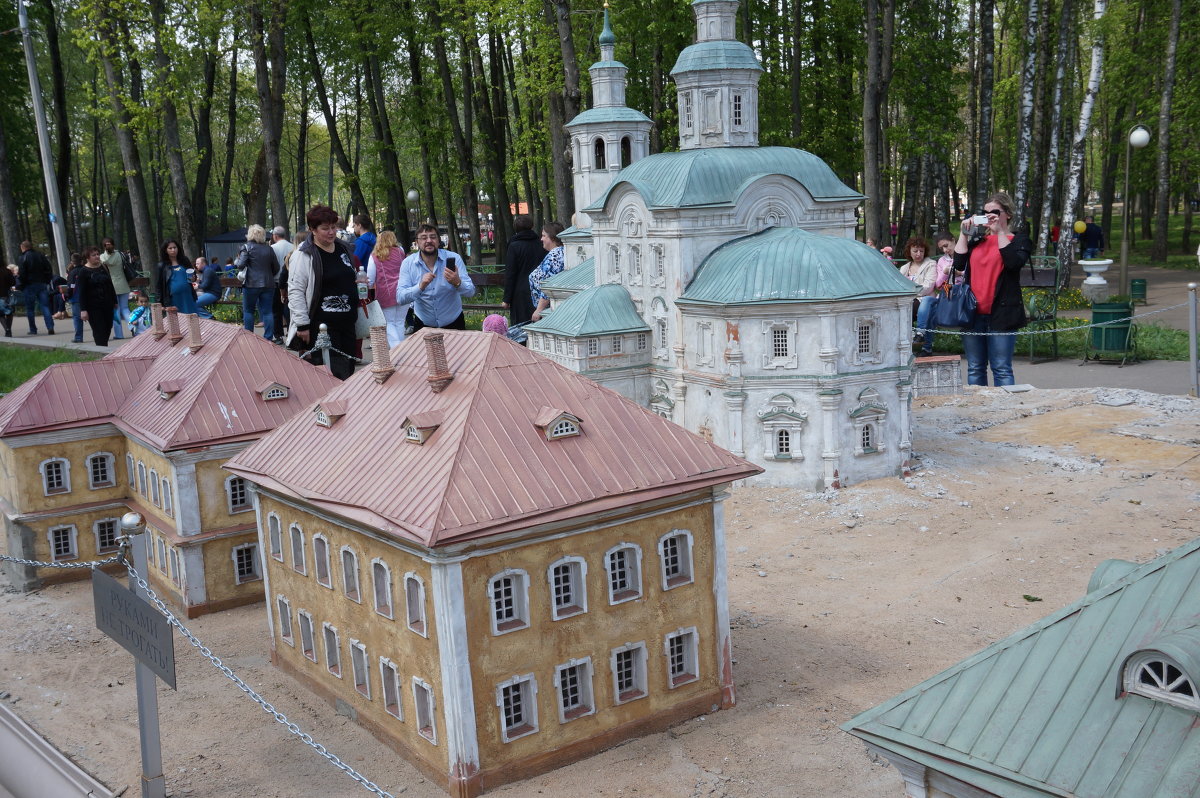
(1042, 306)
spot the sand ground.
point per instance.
(838, 601)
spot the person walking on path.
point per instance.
(383, 274)
(258, 289)
(98, 299)
(524, 254)
(1091, 240)
(282, 248)
(34, 273)
(322, 289)
(364, 244)
(8, 282)
(114, 262)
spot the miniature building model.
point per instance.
(720, 285)
(148, 428)
(1098, 700)
(494, 564)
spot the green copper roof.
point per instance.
(615, 113)
(576, 279)
(603, 310)
(786, 264)
(1044, 713)
(606, 35)
(718, 176)
(716, 55)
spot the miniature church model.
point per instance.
(720, 285)
(492, 563)
(148, 429)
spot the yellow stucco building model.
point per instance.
(494, 564)
(148, 428)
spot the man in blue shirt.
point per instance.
(435, 281)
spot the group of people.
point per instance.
(989, 261)
(530, 261)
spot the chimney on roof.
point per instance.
(435, 360)
(381, 362)
(173, 333)
(156, 320)
(194, 339)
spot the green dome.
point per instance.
(611, 113)
(606, 35)
(718, 175)
(787, 264)
(716, 55)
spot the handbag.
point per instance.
(956, 308)
(127, 267)
(369, 315)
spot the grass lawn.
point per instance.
(18, 363)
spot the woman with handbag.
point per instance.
(383, 274)
(322, 289)
(992, 256)
(921, 270)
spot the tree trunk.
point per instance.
(387, 145)
(230, 142)
(560, 146)
(491, 127)
(204, 141)
(1051, 170)
(170, 125)
(302, 159)
(270, 65)
(10, 225)
(872, 130)
(561, 12)
(983, 173)
(1025, 125)
(58, 83)
(1071, 196)
(461, 131)
(1158, 252)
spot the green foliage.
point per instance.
(18, 363)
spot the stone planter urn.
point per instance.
(1095, 287)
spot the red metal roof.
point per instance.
(488, 467)
(216, 398)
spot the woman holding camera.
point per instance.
(992, 256)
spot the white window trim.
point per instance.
(422, 622)
(586, 688)
(520, 600)
(111, 468)
(780, 414)
(73, 554)
(635, 570)
(420, 684)
(303, 618)
(1134, 686)
(357, 598)
(391, 599)
(161, 548)
(141, 478)
(155, 486)
(235, 509)
(364, 665)
(317, 558)
(283, 609)
(275, 536)
(296, 532)
(116, 536)
(527, 684)
(258, 565)
(176, 567)
(676, 581)
(131, 469)
(66, 476)
(639, 675)
(873, 417)
(168, 503)
(691, 653)
(327, 629)
(769, 360)
(389, 673)
(578, 570)
(875, 354)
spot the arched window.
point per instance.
(598, 154)
(783, 442)
(626, 152)
(56, 476)
(1157, 676)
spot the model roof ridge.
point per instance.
(13, 404)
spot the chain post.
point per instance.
(1193, 355)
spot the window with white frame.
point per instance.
(389, 680)
(131, 471)
(867, 438)
(245, 563)
(683, 662)
(56, 476)
(414, 600)
(737, 109)
(381, 587)
(780, 344)
(688, 112)
(593, 345)
(161, 547)
(573, 683)
(275, 536)
(675, 552)
(298, 561)
(614, 268)
(141, 479)
(658, 265)
(168, 505)
(568, 591)
(176, 570)
(598, 154)
(868, 419)
(154, 494)
(563, 428)
(635, 265)
(863, 338)
(283, 608)
(517, 700)
(628, 665)
(63, 543)
(705, 346)
(1155, 675)
(423, 707)
(641, 342)
(782, 425)
(350, 574)
(624, 566)
(616, 344)
(333, 649)
(867, 347)
(359, 668)
(100, 471)
(509, 594)
(238, 494)
(106, 534)
(320, 547)
(308, 646)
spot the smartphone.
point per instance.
(452, 265)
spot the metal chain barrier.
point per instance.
(324, 342)
(1130, 320)
(293, 728)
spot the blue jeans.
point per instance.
(1090, 253)
(260, 298)
(924, 308)
(202, 303)
(982, 351)
(121, 316)
(77, 320)
(34, 293)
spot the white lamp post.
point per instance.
(1139, 136)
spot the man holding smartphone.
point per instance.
(435, 281)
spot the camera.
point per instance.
(978, 227)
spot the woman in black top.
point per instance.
(98, 298)
(322, 290)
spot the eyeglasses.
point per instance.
(993, 211)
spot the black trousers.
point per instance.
(101, 322)
(458, 324)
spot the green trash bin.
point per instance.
(1137, 290)
(1112, 337)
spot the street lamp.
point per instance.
(1139, 136)
(414, 203)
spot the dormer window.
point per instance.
(1160, 677)
(168, 388)
(270, 391)
(558, 423)
(328, 413)
(420, 426)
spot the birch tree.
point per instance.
(1025, 126)
(1158, 252)
(1074, 187)
(1050, 173)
